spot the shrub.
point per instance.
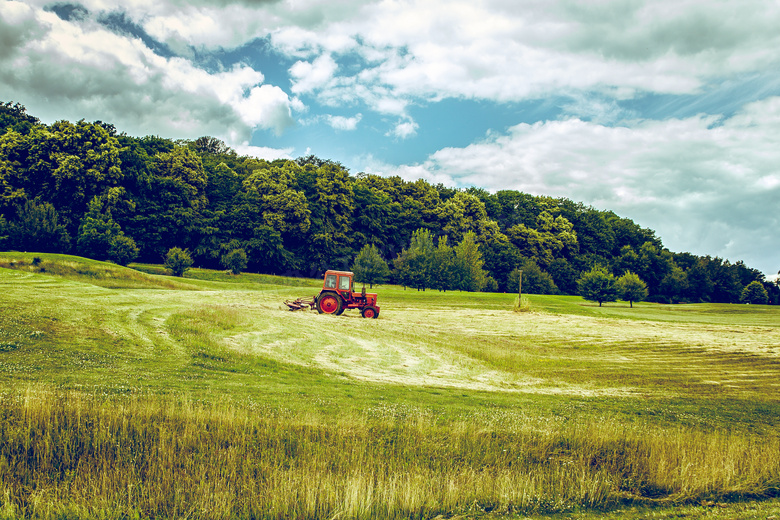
(754, 293)
(235, 260)
(123, 249)
(491, 285)
(178, 261)
(535, 280)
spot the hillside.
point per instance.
(83, 188)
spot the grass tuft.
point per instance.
(522, 304)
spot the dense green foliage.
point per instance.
(598, 285)
(370, 267)
(78, 187)
(631, 288)
(178, 261)
(235, 261)
(754, 293)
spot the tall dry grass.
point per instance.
(70, 455)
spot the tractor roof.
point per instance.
(347, 273)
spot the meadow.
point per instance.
(125, 393)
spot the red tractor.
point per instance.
(337, 295)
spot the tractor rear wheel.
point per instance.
(370, 312)
(329, 303)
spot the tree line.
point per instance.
(87, 189)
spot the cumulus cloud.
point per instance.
(510, 51)
(344, 123)
(404, 129)
(79, 69)
(308, 76)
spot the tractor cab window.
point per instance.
(344, 283)
(330, 281)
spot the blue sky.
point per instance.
(666, 112)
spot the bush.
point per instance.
(491, 285)
(535, 280)
(754, 293)
(178, 261)
(235, 261)
(123, 250)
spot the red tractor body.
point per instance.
(337, 295)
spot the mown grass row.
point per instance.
(70, 455)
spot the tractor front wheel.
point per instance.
(329, 303)
(370, 312)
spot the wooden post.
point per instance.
(520, 287)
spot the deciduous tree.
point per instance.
(97, 231)
(37, 228)
(754, 293)
(631, 288)
(468, 264)
(370, 267)
(535, 280)
(598, 285)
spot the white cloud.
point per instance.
(501, 51)
(344, 123)
(404, 129)
(265, 107)
(78, 70)
(262, 152)
(309, 76)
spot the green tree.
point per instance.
(700, 285)
(674, 285)
(535, 280)
(65, 165)
(754, 293)
(627, 261)
(598, 285)
(413, 265)
(235, 260)
(37, 228)
(564, 275)
(370, 267)
(184, 170)
(283, 208)
(443, 265)
(123, 249)
(469, 274)
(461, 214)
(631, 288)
(654, 265)
(332, 205)
(3, 232)
(178, 261)
(97, 231)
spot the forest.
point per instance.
(85, 188)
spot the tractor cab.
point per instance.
(338, 295)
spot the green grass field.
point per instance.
(128, 394)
